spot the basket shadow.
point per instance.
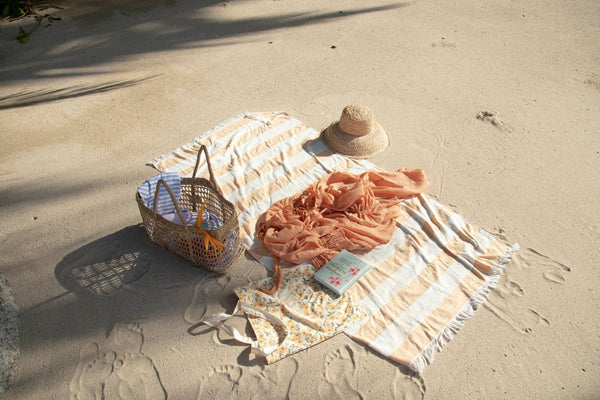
(115, 263)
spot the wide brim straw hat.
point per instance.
(356, 134)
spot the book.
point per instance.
(341, 272)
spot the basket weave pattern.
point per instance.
(188, 241)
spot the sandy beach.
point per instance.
(498, 102)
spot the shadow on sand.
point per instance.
(111, 266)
(30, 98)
(138, 28)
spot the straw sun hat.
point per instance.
(356, 134)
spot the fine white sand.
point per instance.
(497, 100)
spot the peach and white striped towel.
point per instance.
(432, 276)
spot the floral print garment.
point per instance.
(306, 312)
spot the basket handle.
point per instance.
(179, 213)
(210, 171)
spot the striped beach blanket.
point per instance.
(431, 277)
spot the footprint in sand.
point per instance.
(122, 371)
(221, 383)
(206, 292)
(87, 355)
(340, 375)
(408, 387)
(500, 303)
(134, 377)
(126, 338)
(555, 272)
(539, 318)
(508, 300)
(273, 381)
(515, 288)
(555, 275)
(91, 373)
(93, 377)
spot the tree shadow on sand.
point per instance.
(30, 98)
(140, 28)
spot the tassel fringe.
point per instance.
(468, 311)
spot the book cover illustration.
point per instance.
(341, 272)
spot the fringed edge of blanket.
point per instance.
(468, 311)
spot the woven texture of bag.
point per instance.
(187, 240)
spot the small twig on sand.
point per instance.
(23, 36)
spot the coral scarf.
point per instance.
(340, 211)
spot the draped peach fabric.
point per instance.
(340, 211)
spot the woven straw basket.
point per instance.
(187, 240)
